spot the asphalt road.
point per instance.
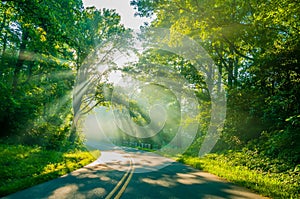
(128, 174)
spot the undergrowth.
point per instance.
(268, 177)
(25, 166)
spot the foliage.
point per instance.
(269, 177)
(25, 166)
(45, 54)
(42, 47)
(36, 71)
(256, 48)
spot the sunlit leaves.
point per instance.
(256, 47)
(36, 65)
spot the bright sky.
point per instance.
(123, 8)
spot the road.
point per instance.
(128, 174)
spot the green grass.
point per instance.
(25, 166)
(230, 167)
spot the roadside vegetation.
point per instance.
(256, 49)
(48, 83)
(24, 166)
(43, 46)
(269, 177)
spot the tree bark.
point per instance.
(20, 60)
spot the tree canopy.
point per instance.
(43, 46)
(256, 48)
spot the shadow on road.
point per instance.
(180, 181)
(154, 176)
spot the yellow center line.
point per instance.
(126, 182)
(130, 170)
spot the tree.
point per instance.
(93, 33)
(255, 47)
(43, 46)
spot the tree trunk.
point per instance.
(20, 60)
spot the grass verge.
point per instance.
(25, 166)
(275, 185)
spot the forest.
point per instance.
(45, 47)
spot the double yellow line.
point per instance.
(121, 186)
